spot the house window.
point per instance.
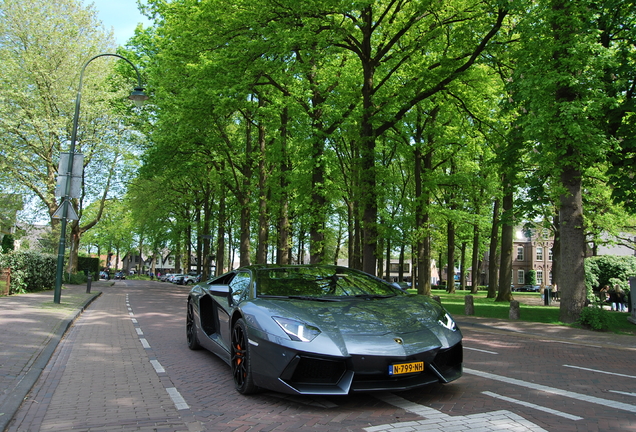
(539, 254)
(550, 255)
(521, 277)
(395, 267)
(539, 277)
(520, 253)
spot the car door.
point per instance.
(239, 287)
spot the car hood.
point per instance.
(370, 326)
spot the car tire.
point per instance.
(191, 329)
(240, 359)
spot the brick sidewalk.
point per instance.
(100, 378)
(32, 326)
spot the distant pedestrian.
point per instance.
(621, 299)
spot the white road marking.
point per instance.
(531, 405)
(144, 343)
(177, 399)
(158, 368)
(552, 390)
(600, 371)
(139, 331)
(436, 421)
(623, 393)
(481, 350)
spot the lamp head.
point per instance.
(138, 96)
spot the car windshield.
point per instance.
(321, 282)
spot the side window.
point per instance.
(240, 286)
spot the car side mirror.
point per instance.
(221, 291)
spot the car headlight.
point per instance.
(446, 321)
(296, 330)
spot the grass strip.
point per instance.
(488, 308)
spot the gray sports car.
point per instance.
(322, 330)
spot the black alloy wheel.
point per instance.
(241, 363)
(191, 330)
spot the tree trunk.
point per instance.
(284, 226)
(507, 234)
(450, 274)
(423, 167)
(462, 267)
(244, 248)
(318, 205)
(263, 218)
(493, 266)
(476, 271)
(572, 247)
(220, 236)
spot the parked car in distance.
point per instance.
(104, 275)
(120, 275)
(528, 288)
(191, 279)
(178, 279)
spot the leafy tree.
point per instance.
(44, 47)
(563, 81)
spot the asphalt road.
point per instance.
(512, 381)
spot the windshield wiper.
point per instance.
(373, 296)
(300, 297)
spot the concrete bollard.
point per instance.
(469, 305)
(514, 310)
(88, 283)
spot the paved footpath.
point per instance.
(98, 377)
(31, 327)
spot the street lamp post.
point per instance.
(138, 96)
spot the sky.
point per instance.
(120, 15)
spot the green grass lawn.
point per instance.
(488, 308)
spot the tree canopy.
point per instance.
(371, 131)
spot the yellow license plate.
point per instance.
(406, 368)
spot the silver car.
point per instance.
(322, 330)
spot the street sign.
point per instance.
(76, 175)
(70, 212)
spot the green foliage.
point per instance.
(30, 271)
(87, 264)
(75, 278)
(608, 270)
(7, 243)
(531, 277)
(596, 318)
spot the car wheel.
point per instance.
(191, 329)
(241, 362)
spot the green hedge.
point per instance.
(90, 265)
(30, 271)
(608, 270)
